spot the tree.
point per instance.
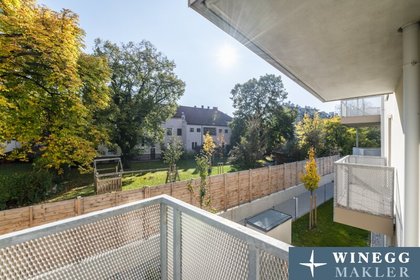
(208, 147)
(310, 133)
(172, 153)
(47, 89)
(251, 145)
(203, 161)
(339, 139)
(370, 137)
(144, 90)
(311, 179)
(203, 166)
(261, 100)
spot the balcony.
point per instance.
(363, 195)
(158, 238)
(361, 111)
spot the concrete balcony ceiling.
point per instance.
(334, 49)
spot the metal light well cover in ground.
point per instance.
(268, 220)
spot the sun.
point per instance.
(226, 56)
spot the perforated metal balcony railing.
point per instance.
(158, 238)
(365, 184)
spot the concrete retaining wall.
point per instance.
(254, 207)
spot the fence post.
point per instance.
(224, 192)
(249, 185)
(269, 180)
(78, 205)
(284, 176)
(115, 199)
(239, 200)
(296, 172)
(31, 215)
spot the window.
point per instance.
(192, 129)
(220, 131)
(169, 131)
(194, 145)
(226, 131)
(210, 130)
(198, 129)
(179, 131)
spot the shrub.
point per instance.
(24, 189)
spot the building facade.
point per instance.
(189, 125)
(340, 52)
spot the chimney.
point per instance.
(215, 108)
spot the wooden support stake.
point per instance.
(31, 215)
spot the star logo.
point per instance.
(312, 265)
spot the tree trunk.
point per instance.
(316, 212)
(310, 211)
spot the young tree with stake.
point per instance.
(311, 179)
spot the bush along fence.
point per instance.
(225, 191)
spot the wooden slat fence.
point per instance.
(226, 191)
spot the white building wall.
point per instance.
(393, 148)
(173, 124)
(194, 134)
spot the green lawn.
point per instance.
(327, 233)
(186, 168)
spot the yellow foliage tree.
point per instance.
(49, 90)
(203, 161)
(208, 145)
(311, 180)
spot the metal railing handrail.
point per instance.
(251, 237)
(342, 162)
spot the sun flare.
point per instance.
(226, 56)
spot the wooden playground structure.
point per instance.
(107, 174)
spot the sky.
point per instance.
(207, 59)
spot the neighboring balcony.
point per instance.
(361, 111)
(157, 238)
(363, 194)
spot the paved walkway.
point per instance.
(323, 193)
